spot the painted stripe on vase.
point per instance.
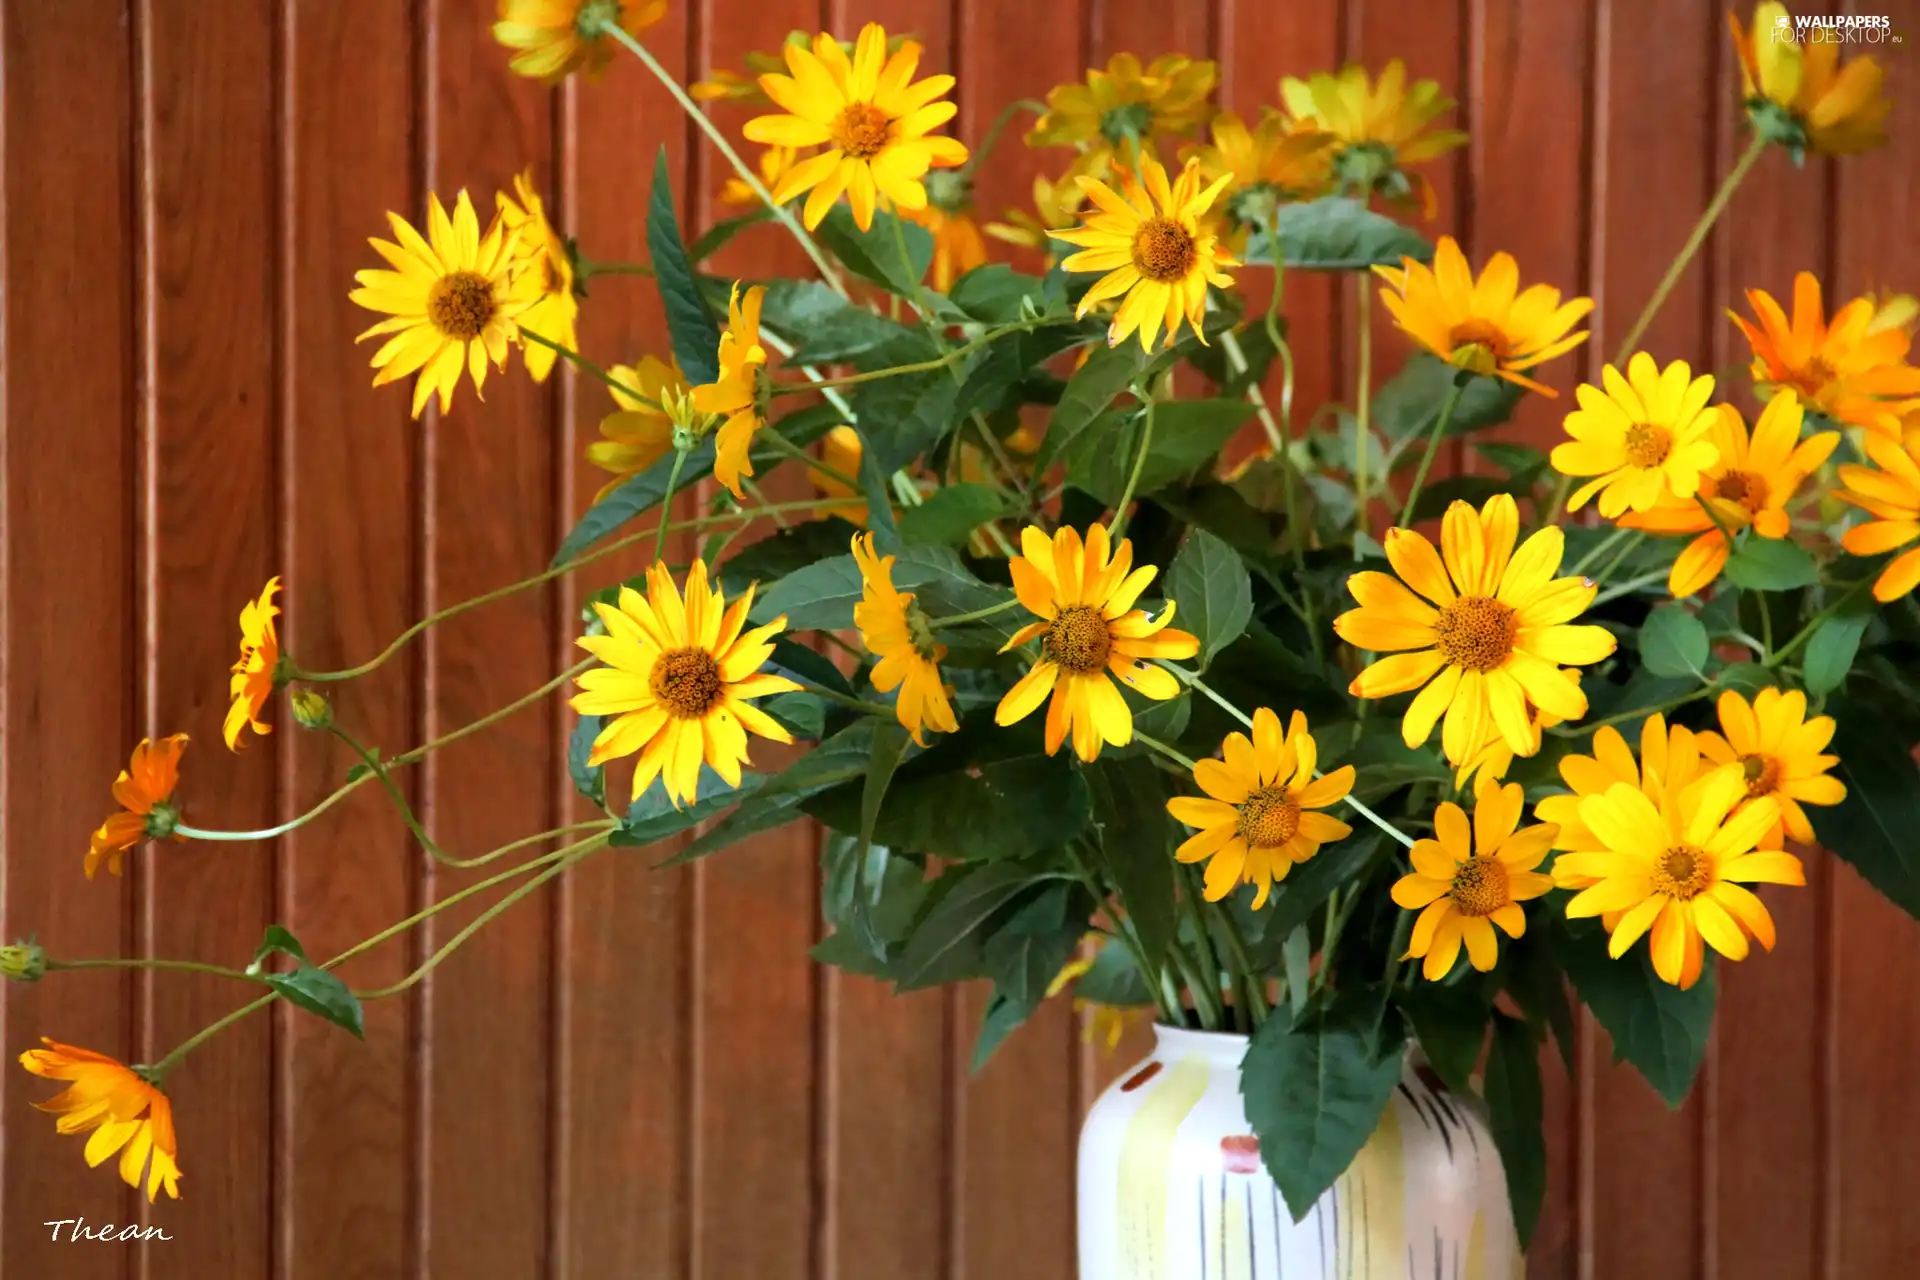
(1372, 1195)
(1146, 1154)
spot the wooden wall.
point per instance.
(639, 1073)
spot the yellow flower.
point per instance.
(1676, 862)
(1846, 370)
(256, 672)
(894, 630)
(1751, 483)
(840, 449)
(1155, 249)
(639, 433)
(1257, 818)
(1647, 436)
(1775, 750)
(1488, 636)
(454, 300)
(774, 164)
(1105, 1024)
(1494, 756)
(958, 246)
(678, 676)
(1893, 311)
(122, 1110)
(1382, 127)
(1799, 96)
(1057, 204)
(872, 122)
(559, 37)
(1469, 879)
(1489, 326)
(1889, 491)
(1088, 628)
(736, 393)
(1669, 757)
(730, 86)
(1121, 106)
(1269, 163)
(541, 253)
(144, 790)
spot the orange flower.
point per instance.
(256, 674)
(143, 789)
(1846, 369)
(123, 1110)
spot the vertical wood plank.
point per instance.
(352, 508)
(66, 489)
(1149, 28)
(490, 504)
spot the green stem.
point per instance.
(1638, 713)
(1250, 980)
(975, 616)
(1151, 972)
(1620, 557)
(1203, 968)
(1805, 633)
(1630, 586)
(1363, 424)
(1433, 447)
(1118, 528)
(783, 445)
(998, 126)
(834, 695)
(136, 962)
(587, 366)
(1714, 516)
(666, 502)
(945, 360)
(1599, 549)
(1154, 744)
(371, 759)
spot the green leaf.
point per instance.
(1025, 955)
(695, 333)
(1214, 597)
(721, 233)
(1107, 372)
(1113, 980)
(785, 551)
(1314, 1094)
(1539, 986)
(1309, 884)
(874, 254)
(889, 745)
(276, 940)
(1186, 435)
(320, 993)
(1832, 648)
(1515, 1115)
(828, 329)
(1659, 1028)
(1522, 463)
(653, 818)
(1771, 564)
(913, 411)
(950, 939)
(873, 485)
(797, 662)
(1674, 643)
(1874, 827)
(849, 954)
(1450, 1024)
(1474, 490)
(994, 293)
(589, 780)
(1745, 678)
(636, 496)
(1136, 844)
(1338, 233)
(1409, 402)
(822, 595)
(803, 715)
(951, 514)
(840, 759)
(1003, 1017)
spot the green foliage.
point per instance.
(1449, 1021)
(1514, 1113)
(1409, 403)
(1214, 594)
(695, 332)
(306, 986)
(1673, 643)
(589, 780)
(1093, 387)
(1186, 435)
(1337, 233)
(1874, 828)
(1770, 564)
(1137, 837)
(950, 515)
(1659, 1028)
(875, 254)
(1832, 648)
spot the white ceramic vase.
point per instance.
(1171, 1186)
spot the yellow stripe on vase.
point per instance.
(1145, 1156)
(1373, 1196)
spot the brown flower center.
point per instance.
(1683, 872)
(1648, 445)
(1747, 488)
(1475, 633)
(1162, 250)
(1268, 818)
(1478, 346)
(1078, 639)
(1762, 774)
(1811, 378)
(1479, 887)
(686, 682)
(862, 131)
(460, 304)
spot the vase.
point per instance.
(1171, 1185)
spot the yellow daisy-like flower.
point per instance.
(678, 678)
(1258, 815)
(1083, 595)
(1889, 491)
(1799, 95)
(840, 449)
(737, 393)
(774, 164)
(145, 791)
(120, 1108)
(556, 38)
(1057, 206)
(1669, 757)
(1495, 756)
(1382, 126)
(1750, 483)
(1489, 635)
(1266, 164)
(454, 299)
(871, 121)
(958, 246)
(1121, 106)
(894, 630)
(1646, 437)
(1488, 326)
(256, 672)
(1470, 878)
(540, 252)
(1846, 369)
(1776, 751)
(640, 432)
(729, 86)
(1677, 863)
(1153, 245)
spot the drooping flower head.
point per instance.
(1486, 634)
(1121, 106)
(1488, 326)
(679, 676)
(1889, 491)
(1153, 244)
(1798, 95)
(256, 673)
(1470, 878)
(737, 394)
(1646, 437)
(454, 300)
(1266, 165)
(1750, 483)
(540, 252)
(639, 433)
(144, 791)
(1846, 369)
(1676, 863)
(1776, 751)
(1089, 631)
(1259, 814)
(120, 1108)
(873, 125)
(556, 38)
(894, 630)
(1382, 127)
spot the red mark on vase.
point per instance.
(1140, 1077)
(1240, 1153)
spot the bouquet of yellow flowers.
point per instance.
(1317, 747)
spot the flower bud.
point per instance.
(311, 710)
(23, 961)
